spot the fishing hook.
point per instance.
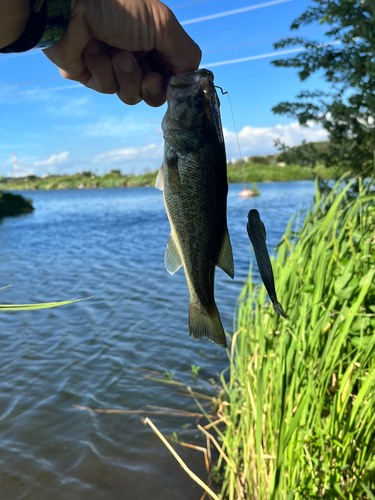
(222, 91)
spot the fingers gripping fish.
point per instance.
(193, 178)
(257, 235)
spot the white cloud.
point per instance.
(115, 127)
(11, 94)
(53, 160)
(260, 140)
(151, 153)
(72, 107)
(253, 141)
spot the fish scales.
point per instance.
(194, 180)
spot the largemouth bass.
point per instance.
(257, 235)
(193, 178)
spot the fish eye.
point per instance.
(198, 101)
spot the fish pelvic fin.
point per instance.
(205, 324)
(172, 257)
(279, 309)
(225, 260)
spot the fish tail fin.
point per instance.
(203, 323)
(279, 309)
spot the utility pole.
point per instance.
(15, 164)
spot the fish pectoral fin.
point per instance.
(172, 258)
(225, 260)
(159, 184)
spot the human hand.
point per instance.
(128, 47)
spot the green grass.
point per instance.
(33, 307)
(299, 406)
(253, 172)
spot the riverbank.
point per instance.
(240, 172)
(296, 418)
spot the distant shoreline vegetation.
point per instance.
(238, 172)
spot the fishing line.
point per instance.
(245, 187)
(239, 149)
(235, 129)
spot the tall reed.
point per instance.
(300, 402)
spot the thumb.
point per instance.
(175, 45)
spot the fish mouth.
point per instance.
(186, 84)
(185, 80)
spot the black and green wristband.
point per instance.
(48, 22)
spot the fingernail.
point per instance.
(155, 88)
(93, 47)
(137, 100)
(124, 62)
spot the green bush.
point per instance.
(14, 204)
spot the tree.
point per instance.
(347, 62)
(307, 154)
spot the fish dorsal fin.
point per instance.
(172, 258)
(263, 230)
(159, 184)
(225, 260)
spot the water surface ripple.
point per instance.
(97, 353)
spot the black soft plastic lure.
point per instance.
(257, 235)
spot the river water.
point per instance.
(100, 353)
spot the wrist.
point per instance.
(14, 15)
(46, 25)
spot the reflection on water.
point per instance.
(97, 353)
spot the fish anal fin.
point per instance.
(172, 258)
(225, 260)
(159, 184)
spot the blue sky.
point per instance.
(58, 126)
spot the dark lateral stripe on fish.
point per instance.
(257, 235)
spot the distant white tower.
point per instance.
(15, 164)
